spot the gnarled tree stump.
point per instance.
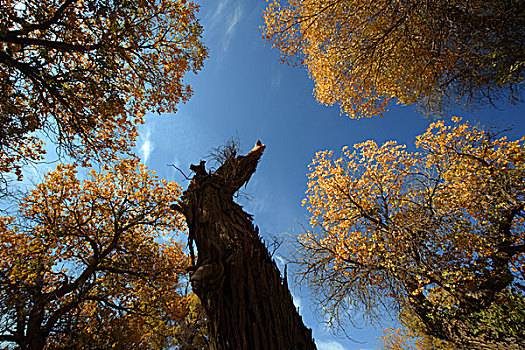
(248, 304)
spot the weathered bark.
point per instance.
(247, 302)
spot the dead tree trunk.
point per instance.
(248, 304)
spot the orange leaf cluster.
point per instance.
(83, 73)
(363, 54)
(442, 227)
(94, 261)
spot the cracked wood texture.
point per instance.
(247, 302)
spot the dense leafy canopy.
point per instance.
(506, 315)
(92, 264)
(441, 231)
(90, 261)
(362, 54)
(82, 73)
(410, 336)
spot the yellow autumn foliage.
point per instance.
(441, 229)
(363, 54)
(82, 74)
(95, 262)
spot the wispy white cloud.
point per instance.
(147, 146)
(276, 75)
(329, 345)
(297, 301)
(224, 21)
(216, 16)
(233, 20)
(175, 162)
(281, 262)
(276, 79)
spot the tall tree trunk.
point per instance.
(247, 302)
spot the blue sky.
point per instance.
(244, 91)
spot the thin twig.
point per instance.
(173, 165)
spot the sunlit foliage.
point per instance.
(82, 73)
(93, 264)
(440, 230)
(505, 316)
(409, 336)
(362, 54)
